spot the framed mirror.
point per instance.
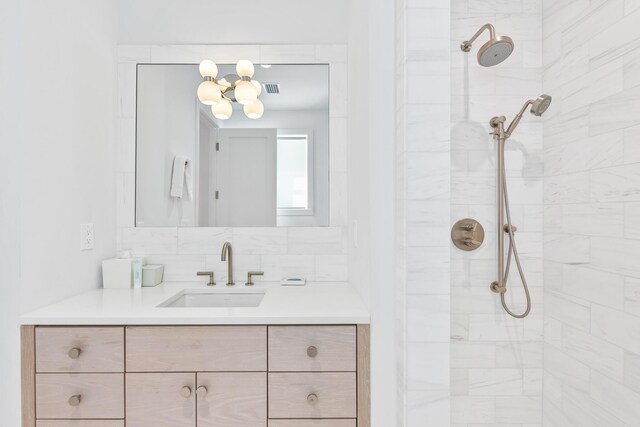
(196, 168)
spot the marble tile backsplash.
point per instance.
(315, 253)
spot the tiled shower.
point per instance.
(574, 184)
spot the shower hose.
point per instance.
(513, 251)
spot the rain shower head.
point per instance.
(493, 52)
(540, 105)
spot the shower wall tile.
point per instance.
(493, 355)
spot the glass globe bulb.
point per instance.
(244, 68)
(257, 85)
(222, 110)
(208, 68)
(209, 93)
(246, 93)
(255, 110)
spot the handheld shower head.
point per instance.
(540, 105)
(493, 52)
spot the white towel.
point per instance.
(181, 177)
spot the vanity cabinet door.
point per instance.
(232, 399)
(161, 400)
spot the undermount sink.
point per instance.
(214, 298)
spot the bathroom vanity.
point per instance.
(110, 358)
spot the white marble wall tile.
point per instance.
(331, 268)
(590, 153)
(127, 90)
(260, 240)
(593, 285)
(599, 17)
(593, 219)
(632, 144)
(617, 398)
(532, 381)
(566, 369)
(318, 240)
(202, 240)
(495, 328)
(567, 248)
(616, 327)
(616, 184)
(519, 409)
(338, 145)
(495, 382)
(473, 355)
(632, 296)
(617, 256)
(338, 199)
(473, 409)
(570, 188)
(526, 354)
(585, 411)
(277, 267)
(632, 371)
(594, 352)
(125, 204)
(150, 240)
(126, 148)
(179, 268)
(567, 311)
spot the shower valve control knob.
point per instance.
(467, 234)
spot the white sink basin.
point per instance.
(214, 298)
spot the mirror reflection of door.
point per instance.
(245, 171)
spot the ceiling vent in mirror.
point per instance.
(272, 87)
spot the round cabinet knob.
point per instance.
(312, 399)
(201, 391)
(312, 351)
(74, 353)
(185, 391)
(75, 400)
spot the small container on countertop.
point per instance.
(152, 275)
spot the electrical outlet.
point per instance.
(86, 237)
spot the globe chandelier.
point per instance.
(239, 88)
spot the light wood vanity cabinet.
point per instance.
(205, 376)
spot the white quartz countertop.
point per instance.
(314, 303)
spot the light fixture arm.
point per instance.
(466, 45)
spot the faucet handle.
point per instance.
(250, 275)
(207, 273)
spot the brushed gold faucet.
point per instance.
(227, 250)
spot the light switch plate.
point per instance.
(86, 237)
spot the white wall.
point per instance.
(371, 190)
(423, 194)
(496, 360)
(62, 168)
(592, 212)
(248, 22)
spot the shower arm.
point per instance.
(516, 120)
(466, 45)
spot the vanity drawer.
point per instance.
(100, 396)
(312, 423)
(80, 423)
(196, 348)
(312, 348)
(312, 395)
(79, 349)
